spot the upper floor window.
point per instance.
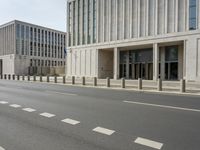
(193, 14)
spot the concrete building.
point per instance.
(30, 49)
(147, 39)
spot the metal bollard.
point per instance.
(83, 80)
(13, 77)
(95, 81)
(182, 86)
(40, 78)
(18, 77)
(34, 78)
(55, 79)
(73, 80)
(9, 77)
(47, 78)
(64, 80)
(5, 76)
(28, 77)
(23, 77)
(159, 84)
(139, 84)
(108, 82)
(123, 83)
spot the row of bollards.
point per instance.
(108, 83)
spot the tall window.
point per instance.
(85, 19)
(18, 39)
(70, 23)
(193, 14)
(22, 39)
(94, 21)
(89, 21)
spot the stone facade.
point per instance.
(24, 46)
(100, 31)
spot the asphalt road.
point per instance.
(40, 116)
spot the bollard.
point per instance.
(83, 80)
(34, 78)
(9, 77)
(55, 79)
(159, 88)
(139, 84)
(182, 86)
(123, 83)
(18, 77)
(23, 77)
(64, 80)
(28, 77)
(73, 80)
(1, 76)
(5, 76)
(95, 81)
(108, 82)
(47, 78)
(40, 78)
(13, 77)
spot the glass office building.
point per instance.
(30, 49)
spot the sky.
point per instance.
(48, 13)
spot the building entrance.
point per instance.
(136, 64)
(171, 63)
(171, 71)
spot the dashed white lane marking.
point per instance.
(1, 148)
(163, 106)
(29, 109)
(48, 115)
(70, 94)
(3, 102)
(15, 106)
(103, 131)
(71, 121)
(149, 143)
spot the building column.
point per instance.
(162, 63)
(155, 61)
(116, 63)
(180, 62)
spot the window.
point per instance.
(94, 21)
(193, 15)
(18, 39)
(70, 24)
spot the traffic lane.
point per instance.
(132, 121)
(36, 132)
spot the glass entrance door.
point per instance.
(171, 71)
(123, 70)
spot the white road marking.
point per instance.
(71, 94)
(3, 102)
(71, 121)
(1, 148)
(149, 143)
(15, 106)
(163, 106)
(48, 115)
(29, 109)
(103, 131)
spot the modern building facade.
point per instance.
(133, 39)
(30, 49)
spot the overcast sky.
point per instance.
(48, 13)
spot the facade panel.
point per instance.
(128, 25)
